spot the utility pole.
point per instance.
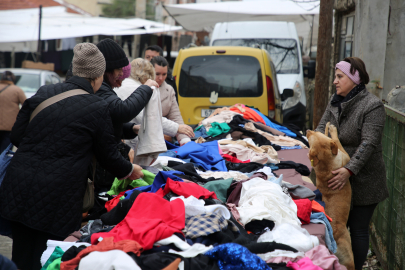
(39, 35)
(323, 58)
(140, 12)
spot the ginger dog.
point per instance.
(326, 155)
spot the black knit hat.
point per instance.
(113, 53)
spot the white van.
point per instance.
(280, 39)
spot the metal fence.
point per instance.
(388, 223)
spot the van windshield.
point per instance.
(283, 52)
(227, 75)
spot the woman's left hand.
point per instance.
(340, 178)
(131, 155)
(136, 128)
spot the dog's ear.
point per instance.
(309, 133)
(333, 147)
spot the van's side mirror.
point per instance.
(287, 93)
(309, 70)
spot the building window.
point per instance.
(346, 37)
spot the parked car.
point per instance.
(213, 77)
(30, 80)
(280, 40)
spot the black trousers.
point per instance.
(28, 246)
(358, 224)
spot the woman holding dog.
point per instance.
(359, 117)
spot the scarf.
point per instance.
(338, 99)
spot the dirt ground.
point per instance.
(372, 262)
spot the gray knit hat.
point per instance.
(88, 61)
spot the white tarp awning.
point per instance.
(22, 25)
(199, 17)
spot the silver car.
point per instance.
(30, 80)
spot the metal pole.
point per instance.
(323, 57)
(39, 35)
(312, 32)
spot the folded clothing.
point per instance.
(146, 225)
(236, 257)
(205, 155)
(186, 190)
(301, 168)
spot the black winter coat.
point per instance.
(46, 179)
(123, 111)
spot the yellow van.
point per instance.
(208, 78)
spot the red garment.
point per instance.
(304, 210)
(186, 190)
(316, 207)
(112, 203)
(249, 114)
(150, 219)
(105, 245)
(351, 173)
(233, 159)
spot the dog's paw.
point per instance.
(332, 130)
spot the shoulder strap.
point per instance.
(4, 88)
(55, 99)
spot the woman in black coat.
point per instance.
(43, 189)
(121, 111)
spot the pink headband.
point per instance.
(126, 71)
(345, 68)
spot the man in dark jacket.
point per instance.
(153, 51)
(42, 192)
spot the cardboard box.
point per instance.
(38, 65)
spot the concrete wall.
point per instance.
(370, 35)
(395, 51)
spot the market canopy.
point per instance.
(203, 17)
(199, 17)
(22, 25)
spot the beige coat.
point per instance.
(10, 99)
(170, 108)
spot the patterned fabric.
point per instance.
(88, 61)
(233, 256)
(204, 224)
(345, 67)
(338, 99)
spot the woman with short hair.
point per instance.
(141, 71)
(359, 117)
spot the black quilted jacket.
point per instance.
(46, 179)
(123, 111)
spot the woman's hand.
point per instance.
(136, 173)
(136, 128)
(131, 155)
(340, 178)
(187, 130)
(151, 83)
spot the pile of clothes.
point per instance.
(236, 197)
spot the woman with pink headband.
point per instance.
(359, 117)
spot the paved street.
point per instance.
(5, 246)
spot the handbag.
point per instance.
(88, 199)
(5, 158)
